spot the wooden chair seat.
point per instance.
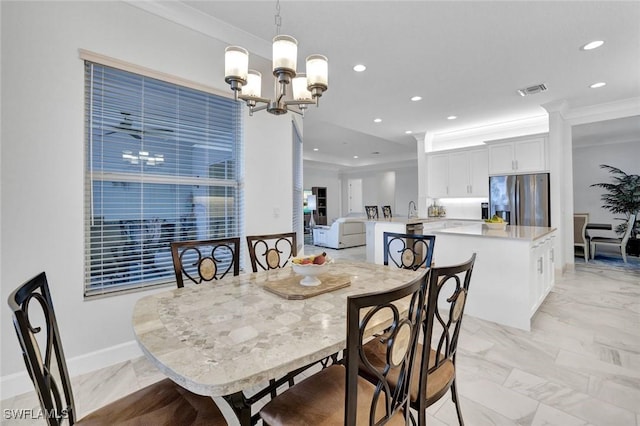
(162, 403)
(319, 401)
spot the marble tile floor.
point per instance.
(580, 364)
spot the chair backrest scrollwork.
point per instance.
(408, 251)
(35, 323)
(205, 260)
(271, 251)
(399, 341)
(372, 212)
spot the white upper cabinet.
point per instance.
(460, 173)
(479, 172)
(438, 170)
(518, 155)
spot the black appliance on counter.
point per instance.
(485, 210)
(521, 199)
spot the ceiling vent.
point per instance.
(532, 90)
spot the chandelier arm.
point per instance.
(292, 102)
(259, 108)
(254, 98)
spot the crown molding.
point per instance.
(599, 143)
(182, 14)
(561, 106)
(601, 112)
(478, 135)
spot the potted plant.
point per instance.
(622, 196)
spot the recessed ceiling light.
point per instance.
(416, 98)
(359, 68)
(315, 149)
(451, 117)
(355, 156)
(377, 120)
(596, 85)
(408, 132)
(592, 45)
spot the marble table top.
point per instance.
(220, 338)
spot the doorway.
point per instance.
(354, 196)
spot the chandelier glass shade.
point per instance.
(306, 88)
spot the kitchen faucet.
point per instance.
(412, 212)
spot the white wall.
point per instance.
(394, 186)
(587, 171)
(314, 176)
(406, 190)
(42, 169)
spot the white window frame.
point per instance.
(97, 288)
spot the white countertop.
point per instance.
(414, 220)
(528, 233)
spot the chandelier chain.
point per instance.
(278, 18)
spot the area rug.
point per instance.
(606, 260)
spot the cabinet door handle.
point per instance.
(540, 265)
(553, 256)
(513, 165)
(470, 189)
(516, 164)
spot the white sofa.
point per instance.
(343, 232)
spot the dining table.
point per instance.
(226, 338)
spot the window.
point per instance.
(163, 164)
(298, 215)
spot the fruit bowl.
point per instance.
(310, 271)
(496, 225)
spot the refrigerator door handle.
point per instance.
(517, 203)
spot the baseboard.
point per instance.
(19, 383)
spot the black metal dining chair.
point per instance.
(435, 372)
(35, 323)
(271, 251)
(205, 260)
(338, 395)
(372, 212)
(408, 251)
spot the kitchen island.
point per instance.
(513, 273)
(419, 225)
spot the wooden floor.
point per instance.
(580, 364)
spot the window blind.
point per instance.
(163, 163)
(297, 215)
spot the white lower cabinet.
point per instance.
(512, 275)
(541, 270)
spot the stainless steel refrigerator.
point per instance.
(521, 199)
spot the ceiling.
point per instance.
(463, 58)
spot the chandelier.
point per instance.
(307, 87)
